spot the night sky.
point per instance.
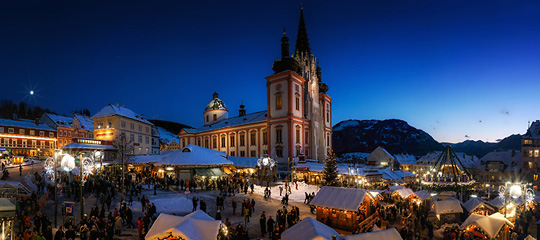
(456, 69)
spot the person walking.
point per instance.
(270, 225)
(233, 203)
(262, 223)
(20, 169)
(246, 216)
(195, 201)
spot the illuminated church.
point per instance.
(297, 122)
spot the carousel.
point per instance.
(266, 169)
(448, 174)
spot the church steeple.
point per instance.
(302, 41)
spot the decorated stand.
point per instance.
(196, 225)
(7, 218)
(494, 226)
(448, 174)
(479, 206)
(266, 169)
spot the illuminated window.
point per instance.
(32, 132)
(11, 130)
(278, 101)
(21, 131)
(530, 153)
(41, 133)
(527, 142)
(34, 143)
(535, 153)
(530, 164)
(535, 177)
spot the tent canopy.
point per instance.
(309, 229)
(423, 195)
(404, 192)
(388, 234)
(196, 225)
(474, 203)
(393, 188)
(491, 225)
(447, 206)
(341, 198)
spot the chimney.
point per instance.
(37, 121)
(334, 237)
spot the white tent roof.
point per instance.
(491, 225)
(405, 192)
(447, 206)
(342, 198)
(388, 234)
(6, 205)
(423, 194)
(499, 201)
(196, 225)
(474, 203)
(394, 188)
(308, 229)
(194, 155)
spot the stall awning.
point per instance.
(209, 172)
(227, 170)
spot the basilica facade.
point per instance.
(297, 122)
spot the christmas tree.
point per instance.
(330, 169)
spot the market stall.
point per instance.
(447, 211)
(342, 208)
(488, 226)
(388, 234)
(479, 206)
(196, 225)
(309, 229)
(7, 218)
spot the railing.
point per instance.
(27, 146)
(368, 223)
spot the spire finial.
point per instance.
(284, 31)
(284, 45)
(302, 41)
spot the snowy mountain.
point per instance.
(481, 148)
(395, 135)
(169, 130)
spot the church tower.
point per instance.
(297, 101)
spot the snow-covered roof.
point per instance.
(141, 159)
(196, 225)
(114, 110)
(192, 155)
(447, 206)
(60, 121)
(341, 198)
(25, 123)
(394, 188)
(474, 203)
(231, 122)
(430, 158)
(13, 184)
(423, 194)
(393, 175)
(309, 229)
(387, 234)
(85, 122)
(491, 224)
(499, 201)
(216, 103)
(75, 145)
(380, 155)
(405, 192)
(245, 162)
(512, 160)
(405, 159)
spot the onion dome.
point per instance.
(216, 103)
(323, 88)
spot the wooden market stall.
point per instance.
(494, 226)
(479, 206)
(388, 234)
(447, 211)
(343, 208)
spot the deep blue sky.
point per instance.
(457, 69)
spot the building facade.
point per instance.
(498, 167)
(67, 128)
(114, 121)
(297, 122)
(27, 138)
(530, 150)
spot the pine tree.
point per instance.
(330, 169)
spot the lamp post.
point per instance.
(56, 153)
(81, 185)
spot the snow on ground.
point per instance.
(173, 205)
(296, 195)
(439, 234)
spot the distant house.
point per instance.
(173, 146)
(380, 157)
(404, 161)
(424, 163)
(498, 167)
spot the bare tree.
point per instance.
(124, 151)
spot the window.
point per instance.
(242, 140)
(11, 130)
(530, 165)
(214, 117)
(231, 143)
(306, 137)
(278, 101)
(123, 124)
(140, 128)
(59, 133)
(207, 118)
(183, 143)
(222, 141)
(110, 125)
(51, 145)
(32, 132)
(147, 140)
(298, 152)
(34, 143)
(278, 136)
(6, 142)
(253, 138)
(2, 129)
(328, 140)
(527, 142)
(21, 131)
(41, 133)
(242, 153)
(69, 134)
(24, 141)
(297, 103)
(298, 136)
(279, 152)
(536, 153)
(132, 137)
(51, 134)
(147, 130)
(199, 142)
(132, 126)
(327, 116)
(232, 154)
(147, 151)
(14, 142)
(214, 142)
(100, 125)
(530, 153)
(265, 137)
(253, 153)
(42, 143)
(140, 138)
(140, 150)
(206, 143)
(535, 176)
